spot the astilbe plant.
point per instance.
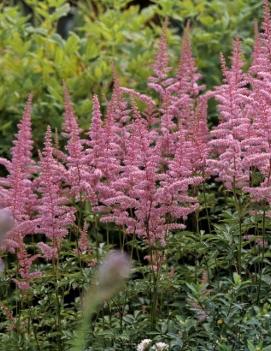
(240, 144)
(144, 189)
(17, 188)
(135, 168)
(259, 142)
(17, 191)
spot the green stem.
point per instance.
(240, 245)
(206, 208)
(262, 259)
(154, 288)
(197, 221)
(154, 298)
(58, 317)
(238, 209)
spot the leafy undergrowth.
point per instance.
(201, 302)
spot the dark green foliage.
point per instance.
(196, 300)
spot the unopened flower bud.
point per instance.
(6, 222)
(113, 271)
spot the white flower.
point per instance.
(144, 345)
(161, 346)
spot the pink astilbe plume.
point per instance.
(188, 75)
(182, 107)
(117, 120)
(159, 80)
(83, 243)
(18, 190)
(49, 252)
(70, 125)
(234, 105)
(198, 136)
(112, 189)
(54, 216)
(185, 87)
(104, 152)
(96, 135)
(25, 262)
(117, 109)
(258, 144)
(17, 187)
(261, 63)
(114, 148)
(176, 181)
(95, 152)
(77, 170)
(178, 92)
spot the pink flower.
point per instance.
(77, 170)
(49, 253)
(54, 216)
(17, 188)
(234, 104)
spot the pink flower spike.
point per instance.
(54, 215)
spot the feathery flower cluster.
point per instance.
(18, 196)
(54, 215)
(240, 150)
(234, 110)
(17, 189)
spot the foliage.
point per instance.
(36, 58)
(191, 207)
